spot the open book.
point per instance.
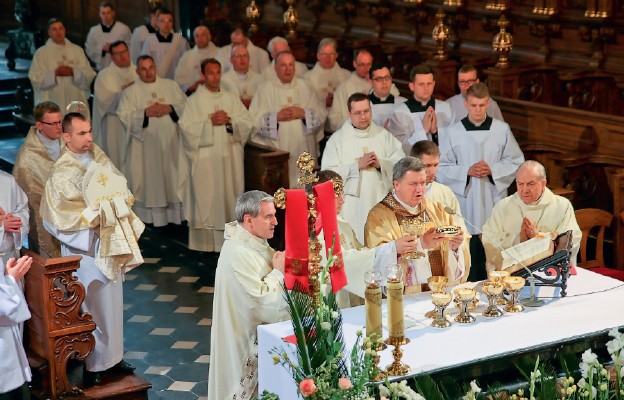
(529, 252)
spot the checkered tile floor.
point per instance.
(168, 310)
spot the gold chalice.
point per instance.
(471, 305)
(492, 290)
(513, 284)
(413, 227)
(437, 284)
(498, 276)
(441, 300)
(465, 296)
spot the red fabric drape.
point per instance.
(296, 263)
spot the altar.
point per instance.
(585, 315)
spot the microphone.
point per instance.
(532, 301)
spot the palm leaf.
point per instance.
(301, 307)
(547, 388)
(428, 388)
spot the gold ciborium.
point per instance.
(413, 227)
(498, 276)
(441, 300)
(437, 284)
(513, 284)
(492, 290)
(465, 296)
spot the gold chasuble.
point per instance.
(77, 198)
(31, 171)
(384, 225)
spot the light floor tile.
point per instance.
(206, 289)
(145, 286)
(130, 277)
(186, 310)
(184, 345)
(166, 297)
(135, 355)
(140, 318)
(188, 279)
(157, 370)
(169, 270)
(162, 331)
(205, 321)
(205, 359)
(126, 306)
(181, 386)
(151, 260)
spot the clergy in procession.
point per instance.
(422, 116)
(166, 47)
(288, 115)
(358, 81)
(110, 83)
(101, 36)
(258, 57)
(441, 255)
(382, 101)
(363, 154)
(41, 148)
(149, 111)
(358, 260)
(14, 368)
(275, 46)
(327, 74)
(215, 126)
(532, 211)
(13, 218)
(188, 73)
(78, 210)
(429, 154)
(141, 32)
(60, 71)
(466, 77)
(248, 292)
(241, 80)
(479, 157)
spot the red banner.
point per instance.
(296, 263)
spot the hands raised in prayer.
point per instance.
(480, 169)
(278, 261)
(220, 117)
(18, 268)
(368, 160)
(10, 222)
(64, 70)
(329, 100)
(158, 110)
(290, 113)
(430, 121)
(528, 230)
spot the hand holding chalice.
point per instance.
(413, 227)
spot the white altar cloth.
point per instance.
(588, 308)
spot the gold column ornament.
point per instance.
(440, 36)
(291, 19)
(253, 15)
(502, 43)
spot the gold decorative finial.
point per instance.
(253, 14)
(291, 19)
(440, 36)
(502, 43)
(338, 187)
(306, 163)
(279, 198)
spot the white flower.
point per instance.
(325, 325)
(474, 387)
(615, 333)
(589, 358)
(615, 345)
(334, 314)
(535, 375)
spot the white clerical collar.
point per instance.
(84, 158)
(53, 146)
(412, 210)
(478, 124)
(243, 76)
(289, 84)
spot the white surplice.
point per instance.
(382, 108)
(139, 35)
(406, 121)
(367, 187)
(460, 148)
(188, 69)
(166, 54)
(97, 38)
(460, 112)
(258, 57)
(12, 200)
(326, 80)
(60, 89)
(242, 85)
(108, 132)
(551, 213)
(248, 292)
(294, 136)
(154, 158)
(215, 157)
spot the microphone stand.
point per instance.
(532, 301)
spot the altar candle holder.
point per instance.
(498, 276)
(396, 320)
(437, 284)
(372, 297)
(492, 290)
(465, 296)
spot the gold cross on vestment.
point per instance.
(102, 179)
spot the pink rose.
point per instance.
(345, 383)
(307, 387)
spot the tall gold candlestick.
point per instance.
(396, 320)
(372, 295)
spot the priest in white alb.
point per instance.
(149, 111)
(275, 46)
(110, 83)
(248, 292)
(258, 57)
(86, 206)
(14, 218)
(241, 80)
(363, 154)
(60, 71)
(103, 34)
(165, 46)
(188, 72)
(288, 115)
(532, 211)
(141, 32)
(327, 74)
(215, 126)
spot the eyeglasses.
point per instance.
(58, 123)
(467, 82)
(380, 79)
(116, 53)
(361, 113)
(327, 54)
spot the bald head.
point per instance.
(238, 38)
(530, 181)
(202, 37)
(277, 45)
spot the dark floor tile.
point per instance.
(173, 395)
(171, 357)
(194, 372)
(201, 389)
(159, 382)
